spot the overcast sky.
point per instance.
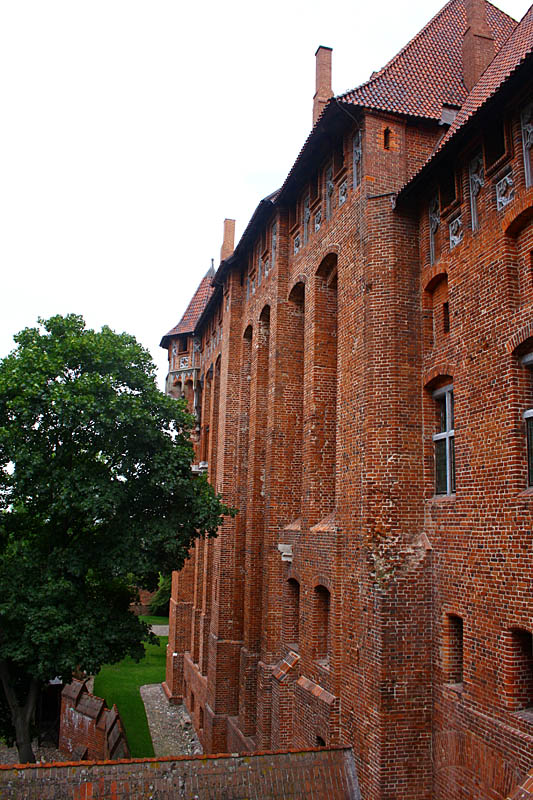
(131, 128)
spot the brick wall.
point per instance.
(349, 601)
(307, 775)
(87, 728)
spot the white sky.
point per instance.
(131, 128)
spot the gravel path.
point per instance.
(48, 753)
(160, 630)
(170, 726)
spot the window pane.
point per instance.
(530, 451)
(452, 412)
(440, 467)
(441, 412)
(452, 464)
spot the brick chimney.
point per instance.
(478, 43)
(228, 245)
(323, 81)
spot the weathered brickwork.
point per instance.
(363, 374)
(290, 775)
(87, 728)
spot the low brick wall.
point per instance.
(291, 775)
(88, 729)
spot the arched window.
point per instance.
(386, 139)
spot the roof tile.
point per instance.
(427, 72)
(194, 310)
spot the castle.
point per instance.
(360, 368)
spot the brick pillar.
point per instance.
(179, 635)
(254, 527)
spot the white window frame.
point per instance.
(447, 435)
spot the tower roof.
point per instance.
(194, 310)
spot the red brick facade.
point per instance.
(361, 379)
(88, 729)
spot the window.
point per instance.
(476, 177)
(274, 244)
(386, 139)
(201, 723)
(434, 222)
(322, 602)
(528, 416)
(292, 613)
(330, 186)
(518, 670)
(453, 650)
(495, 143)
(446, 317)
(527, 361)
(444, 442)
(357, 158)
(526, 119)
(306, 218)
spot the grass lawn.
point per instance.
(154, 620)
(119, 683)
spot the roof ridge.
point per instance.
(485, 89)
(381, 74)
(412, 41)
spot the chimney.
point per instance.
(478, 43)
(323, 81)
(228, 244)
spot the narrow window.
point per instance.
(434, 222)
(201, 720)
(446, 317)
(274, 244)
(494, 143)
(306, 218)
(526, 119)
(528, 416)
(329, 191)
(322, 603)
(292, 613)
(518, 668)
(259, 271)
(448, 189)
(386, 139)
(357, 159)
(476, 176)
(527, 361)
(444, 441)
(453, 650)
(192, 702)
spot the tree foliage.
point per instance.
(95, 486)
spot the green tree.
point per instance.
(95, 486)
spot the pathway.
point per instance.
(170, 726)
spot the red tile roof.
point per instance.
(514, 51)
(427, 72)
(194, 310)
(512, 54)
